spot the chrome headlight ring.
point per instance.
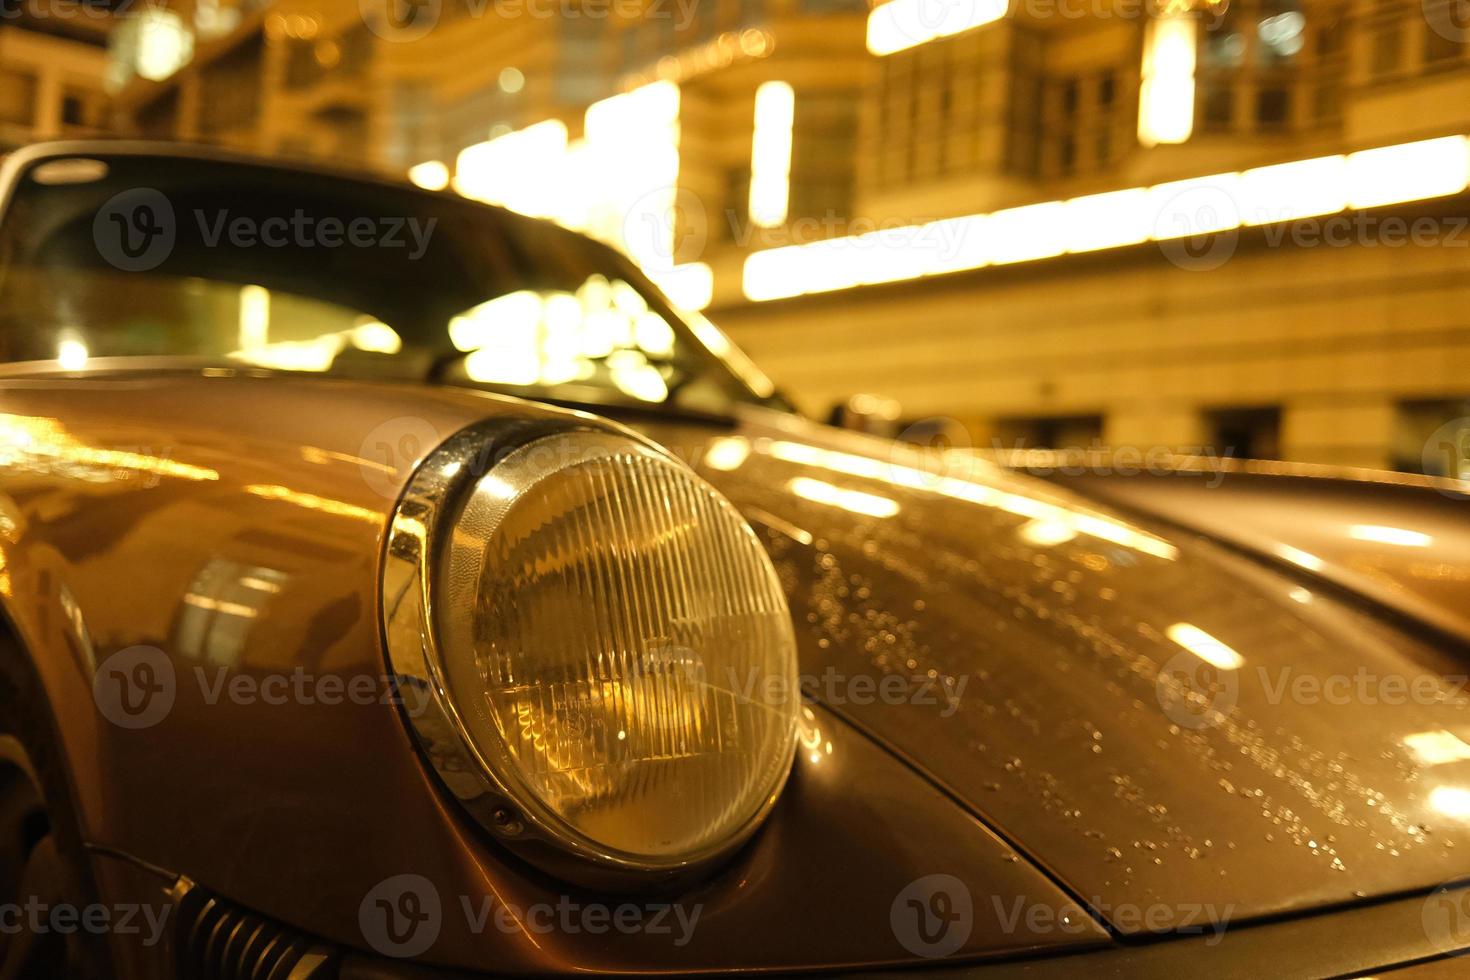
(634, 685)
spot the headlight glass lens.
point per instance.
(619, 649)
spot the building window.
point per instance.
(1273, 107)
(1268, 67)
(1245, 433)
(1433, 438)
(1064, 432)
(73, 112)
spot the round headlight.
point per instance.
(610, 650)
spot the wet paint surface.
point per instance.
(1154, 719)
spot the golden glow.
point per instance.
(719, 345)
(1032, 508)
(1198, 206)
(1291, 191)
(1437, 748)
(520, 170)
(71, 355)
(618, 183)
(164, 44)
(376, 336)
(770, 158)
(33, 442)
(221, 606)
(1452, 801)
(869, 504)
(556, 337)
(260, 584)
(1047, 533)
(431, 175)
(311, 501)
(1296, 556)
(1398, 536)
(255, 317)
(1408, 172)
(727, 453)
(511, 80)
(1166, 98)
(900, 24)
(1205, 646)
(632, 147)
(312, 354)
(690, 286)
(1109, 220)
(1177, 209)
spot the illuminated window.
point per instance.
(1268, 66)
(1166, 99)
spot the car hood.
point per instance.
(1023, 648)
(1163, 724)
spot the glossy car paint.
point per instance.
(1421, 574)
(1058, 742)
(1292, 792)
(235, 520)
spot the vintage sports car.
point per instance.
(395, 586)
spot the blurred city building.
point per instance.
(1056, 222)
(51, 74)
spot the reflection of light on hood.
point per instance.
(1389, 535)
(1296, 556)
(1205, 646)
(311, 501)
(854, 500)
(1452, 801)
(1022, 505)
(32, 441)
(1045, 534)
(727, 453)
(1437, 748)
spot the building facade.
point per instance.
(1234, 227)
(51, 76)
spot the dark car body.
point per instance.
(1047, 738)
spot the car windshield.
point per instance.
(150, 256)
